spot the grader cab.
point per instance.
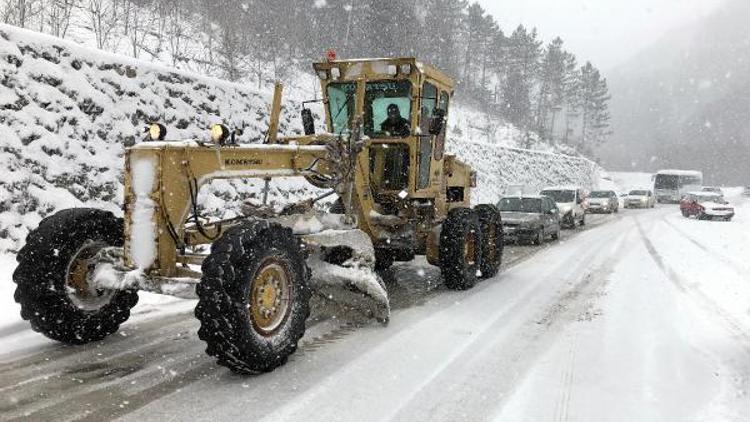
(397, 195)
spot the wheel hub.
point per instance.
(269, 296)
(77, 280)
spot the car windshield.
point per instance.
(601, 194)
(529, 205)
(638, 193)
(560, 195)
(710, 198)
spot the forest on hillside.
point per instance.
(539, 87)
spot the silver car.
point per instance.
(640, 198)
(603, 201)
(530, 218)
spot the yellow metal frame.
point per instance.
(182, 166)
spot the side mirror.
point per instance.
(308, 122)
(437, 122)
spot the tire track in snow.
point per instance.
(737, 269)
(709, 305)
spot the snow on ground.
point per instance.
(642, 315)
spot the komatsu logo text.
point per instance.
(242, 161)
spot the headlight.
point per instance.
(219, 133)
(157, 131)
(643, 199)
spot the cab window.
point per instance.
(429, 101)
(387, 109)
(341, 104)
(440, 139)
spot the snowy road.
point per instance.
(641, 316)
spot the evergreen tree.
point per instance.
(592, 101)
(522, 56)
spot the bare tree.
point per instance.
(103, 16)
(59, 13)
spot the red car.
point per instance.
(706, 206)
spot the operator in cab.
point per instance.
(394, 124)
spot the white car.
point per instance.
(640, 198)
(571, 201)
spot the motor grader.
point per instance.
(398, 194)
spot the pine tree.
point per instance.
(522, 63)
(592, 101)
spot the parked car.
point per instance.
(529, 218)
(746, 191)
(713, 189)
(640, 198)
(603, 201)
(706, 206)
(571, 201)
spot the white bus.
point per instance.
(670, 185)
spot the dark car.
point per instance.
(530, 218)
(603, 201)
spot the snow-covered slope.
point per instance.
(68, 112)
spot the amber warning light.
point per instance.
(330, 55)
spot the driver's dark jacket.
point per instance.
(400, 127)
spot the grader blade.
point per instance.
(342, 264)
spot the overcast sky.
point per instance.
(606, 32)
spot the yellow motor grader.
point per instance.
(398, 195)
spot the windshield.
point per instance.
(601, 194)
(341, 104)
(638, 193)
(666, 181)
(710, 198)
(387, 109)
(560, 196)
(530, 205)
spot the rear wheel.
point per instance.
(556, 234)
(460, 249)
(53, 272)
(253, 299)
(685, 213)
(492, 239)
(583, 220)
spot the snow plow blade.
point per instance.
(343, 271)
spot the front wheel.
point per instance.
(53, 272)
(253, 299)
(538, 237)
(583, 220)
(460, 249)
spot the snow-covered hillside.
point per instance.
(68, 112)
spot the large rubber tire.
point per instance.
(538, 238)
(556, 234)
(462, 225)
(47, 300)
(383, 259)
(491, 226)
(228, 326)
